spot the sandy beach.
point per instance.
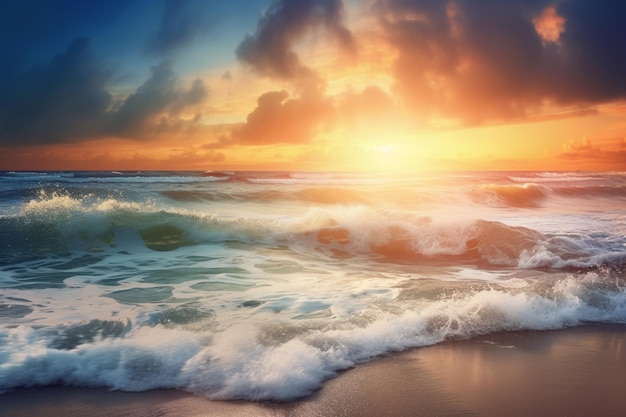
(573, 372)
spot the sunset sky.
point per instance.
(394, 85)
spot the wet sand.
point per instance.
(573, 372)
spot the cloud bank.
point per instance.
(466, 61)
(484, 60)
(67, 99)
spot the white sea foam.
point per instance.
(245, 361)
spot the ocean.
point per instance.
(263, 285)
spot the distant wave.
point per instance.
(607, 191)
(513, 195)
(564, 177)
(318, 195)
(533, 194)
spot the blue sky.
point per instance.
(130, 35)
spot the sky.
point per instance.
(339, 85)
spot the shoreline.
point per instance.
(573, 372)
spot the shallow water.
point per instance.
(261, 285)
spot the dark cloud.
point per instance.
(182, 23)
(481, 60)
(593, 53)
(159, 94)
(67, 99)
(62, 100)
(270, 51)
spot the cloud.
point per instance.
(99, 155)
(480, 60)
(467, 59)
(585, 149)
(458, 62)
(549, 25)
(593, 57)
(161, 95)
(280, 119)
(612, 153)
(271, 50)
(195, 157)
(182, 23)
(371, 107)
(62, 100)
(67, 100)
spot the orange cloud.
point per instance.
(549, 25)
(613, 155)
(113, 154)
(475, 62)
(280, 119)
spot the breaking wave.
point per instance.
(282, 360)
(60, 224)
(513, 195)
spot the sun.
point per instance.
(385, 149)
(390, 157)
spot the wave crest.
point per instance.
(512, 195)
(58, 224)
(424, 240)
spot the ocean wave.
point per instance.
(59, 224)
(189, 196)
(237, 290)
(343, 192)
(568, 177)
(148, 179)
(287, 359)
(316, 181)
(606, 191)
(312, 178)
(533, 193)
(317, 195)
(511, 195)
(25, 176)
